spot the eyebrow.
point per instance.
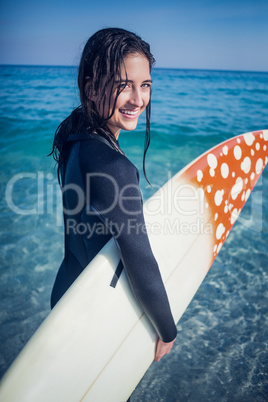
(118, 81)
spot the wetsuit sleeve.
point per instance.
(114, 195)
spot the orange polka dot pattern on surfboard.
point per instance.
(226, 175)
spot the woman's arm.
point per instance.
(114, 193)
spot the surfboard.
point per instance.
(97, 343)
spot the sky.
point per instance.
(197, 34)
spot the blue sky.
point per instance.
(205, 34)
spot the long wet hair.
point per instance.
(100, 65)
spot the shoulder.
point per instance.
(97, 157)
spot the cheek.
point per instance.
(117, 104)
(121, 100)
(146, 99)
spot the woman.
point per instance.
(100, 186)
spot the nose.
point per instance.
(136, 98)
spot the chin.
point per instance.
(129, 127)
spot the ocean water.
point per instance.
(221, 351)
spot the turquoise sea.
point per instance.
(221, 351)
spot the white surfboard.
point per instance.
(97, 343)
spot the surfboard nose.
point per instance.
(227, 174)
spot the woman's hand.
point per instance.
(162, 349)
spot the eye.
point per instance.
(123, 85)
(146, 85)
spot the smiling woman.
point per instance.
(100, 186)
(135, 92)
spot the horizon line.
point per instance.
(153, 68)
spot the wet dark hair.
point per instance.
(100, 64)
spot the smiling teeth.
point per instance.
(132, 113)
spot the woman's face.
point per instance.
(135, 95)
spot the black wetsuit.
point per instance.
(101, 198)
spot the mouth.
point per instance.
(132, 114)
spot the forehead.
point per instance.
(135, 67)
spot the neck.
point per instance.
(117, 134)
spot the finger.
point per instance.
(157, 358)
(159, 354)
